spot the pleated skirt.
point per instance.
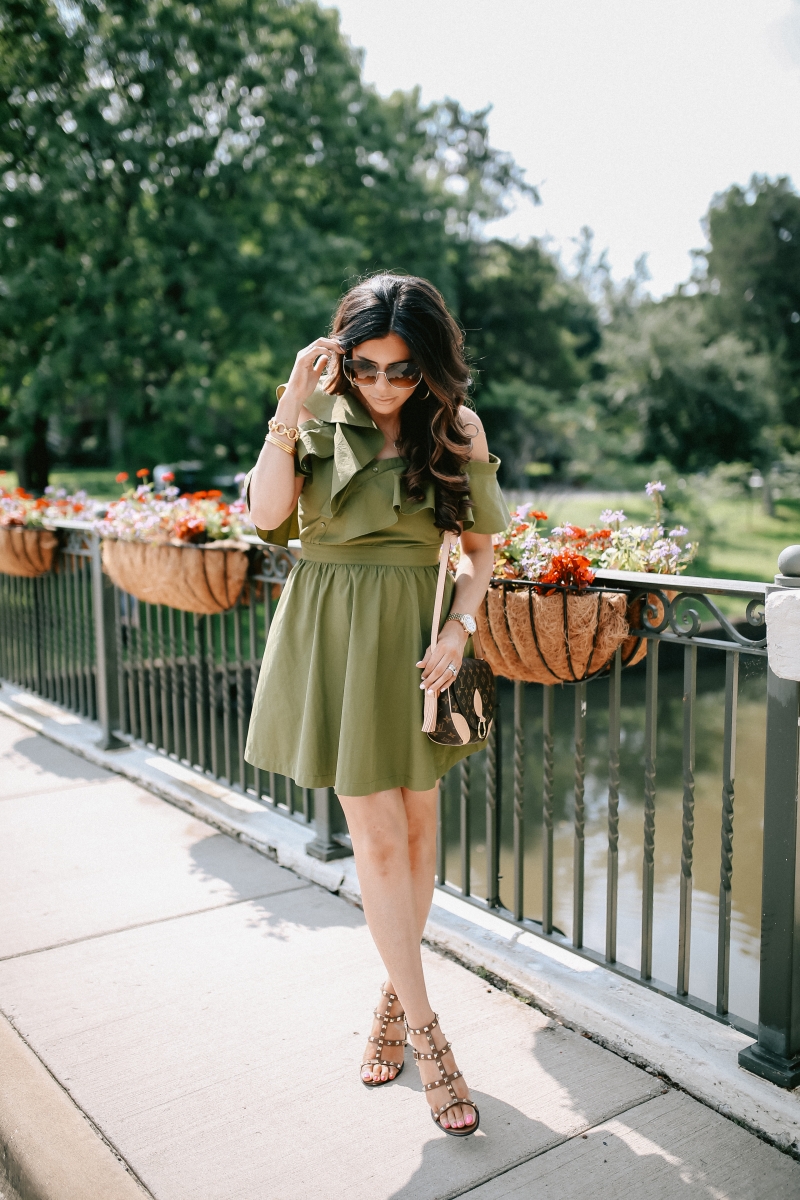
(338, 701)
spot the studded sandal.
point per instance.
(445, 1080)
(381, 1040)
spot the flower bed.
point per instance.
(27, 547)
(182, 551)
(143, 514)
(568, 554)
(542, 620)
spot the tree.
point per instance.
(186, 190)
(673, 390)
(752, 276)
(531, 333)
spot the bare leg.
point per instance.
(421, 817)
(389, 830)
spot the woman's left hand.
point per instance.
(449, 649)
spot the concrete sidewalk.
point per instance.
(186, 1018)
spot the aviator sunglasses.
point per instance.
(400, 375)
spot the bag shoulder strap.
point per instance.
(448, 542)
(444, 558)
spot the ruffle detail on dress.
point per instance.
(487, 511)
(400, 500)
(341, 430)
(336, 453)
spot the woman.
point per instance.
(383, 457)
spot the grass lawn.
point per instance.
(99, 484)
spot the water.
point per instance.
(747, 841)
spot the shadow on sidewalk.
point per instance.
(47, 759)
(499, 1122)
(221, 858)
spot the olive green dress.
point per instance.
(338, 701)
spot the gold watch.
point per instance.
(469, 623)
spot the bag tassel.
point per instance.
(429, 714)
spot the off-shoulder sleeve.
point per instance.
(487, 511)
(284, 533)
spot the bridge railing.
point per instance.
(184, 684)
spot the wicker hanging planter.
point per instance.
(562, 636)
(26, 552)
(204, 579)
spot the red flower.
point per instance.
(214, 494)
(122, 477)
(142, 473)
(540, 516)
(191, 529)
(168, 476)
(569, 569)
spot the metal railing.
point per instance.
(184, 684)
(668, 619)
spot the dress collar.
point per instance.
(343, 409)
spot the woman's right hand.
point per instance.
(308, 368)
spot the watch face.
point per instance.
(469, 623)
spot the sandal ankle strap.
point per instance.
(426, 1029)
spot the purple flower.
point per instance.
(655, 486)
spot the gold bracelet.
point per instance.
(281, 445)
(278, 427)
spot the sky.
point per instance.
(629, 115)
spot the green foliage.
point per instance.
(531, 333)
(674, 391)
(753, 275)
(186, 191)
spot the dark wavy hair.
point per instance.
(431, 434)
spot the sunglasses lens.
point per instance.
(359, 372)
(404, 374)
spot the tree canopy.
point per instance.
(673, 391)
(753, 276)
(186, 190)
(531, 333)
